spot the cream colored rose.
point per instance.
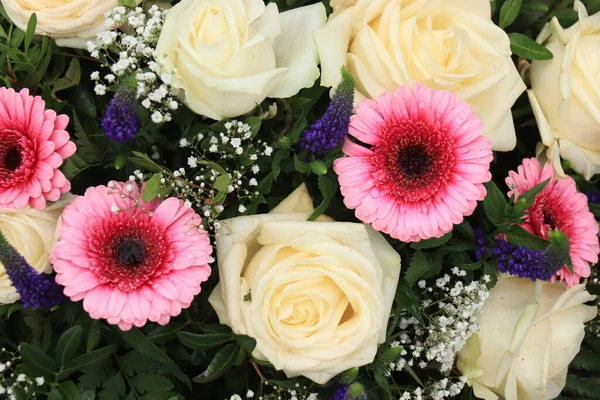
(529, 333)
(316, 296)
(450, 45)
(72, 23)
(565, 93)
(229, 55)
(33, 234)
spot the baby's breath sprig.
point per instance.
(128, 49)
(15, 384)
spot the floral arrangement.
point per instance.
(299, 199)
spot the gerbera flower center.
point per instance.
(130, 251)
(13, 157)
(413, 160)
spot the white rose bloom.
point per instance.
(33, 234)
(449, 45)
(229, 55)
(316, 296)
(72, 23)
(529, 333)
(565, 93)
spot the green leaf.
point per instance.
(203, 341)
(494, 203)
(431, 243)
(526, 200)
(328, 186)
(143, 161)
(151, 382)
(67, 345)
(69, 390)
(220, 364)
(407, 298)
(136, 339)
(509, 12)
(55, 395)
(36, 362)
(255, 123)
(222, 182)
(167, 332)
(527, 48)
(535, 6)
(595, 209)
(418, 266)
(30, 32)
(247, 342)
(72, 76)
(520, 237)
(94, 336)
(152, 187)
(89, 359)
(300, 166)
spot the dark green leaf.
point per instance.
(247, 342)
(407, 298)
(152, 187)
(36, 362)
(527, 48)
(255, 123)
(328, 186)
(55, 395)
(221, 363)
(67, 346)
(72, 76)
(535, 6)
(167, 332)
(94, 336)
(431, 243)
(520, 237)
(300, 166)
(203, 341)
(143, 161)
(69, 390)
(509, 12)
(494, 203)
(418, 266)
(89, 359)
(136, 339)
(31, 24)
(151, 382)
(595, 209)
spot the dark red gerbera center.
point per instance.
(131, 249)
(16, 161)
(413, 161)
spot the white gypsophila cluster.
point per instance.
(10, 380)
(278, 393)
(453, 307)
(438, 390)
(128, 49)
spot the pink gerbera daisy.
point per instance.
(130, 261)
(33, 145)
(420, 166)
(558, 206)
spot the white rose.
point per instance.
(320, 292)
(565, 93)
(529, 333)
(72, 23)
(229, 55)
(449, 45)
(33, 234)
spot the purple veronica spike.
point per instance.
(121, 123)
(36, 290)
(330, 130)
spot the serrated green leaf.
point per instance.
(151, 382)
(431, 243)
(328, 186)
(88, 359)
(300, 166)
(418, 266)
(509, 12)
(136, 339)
(152, 187)
(203, 341)
(30, 32)
(67, 345)
(36, 362)
(520, 237)
(525, 47)
(494, 203)
(220, 364)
